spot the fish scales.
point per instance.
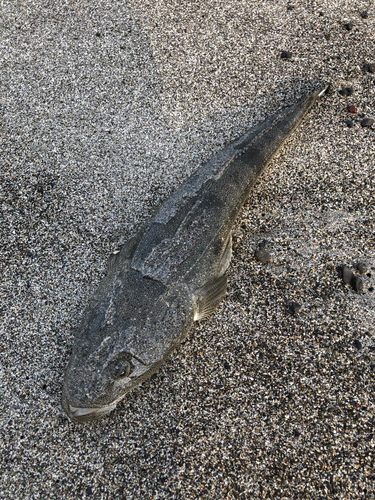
(169, 275)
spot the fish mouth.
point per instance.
(86, 414)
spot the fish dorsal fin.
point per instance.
(208, 297)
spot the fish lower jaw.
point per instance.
(82, 414)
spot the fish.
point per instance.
(169, 275)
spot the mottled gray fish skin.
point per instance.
(169, 275)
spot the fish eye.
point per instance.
(121, 368)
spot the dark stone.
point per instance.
(349, 123)
(262, 244)
(371, 68)
(290, 7)
(367, 122)
(349, 26)
(357, 344)
(284, 54)
(262, 256)
(362, 268)
(226, 365)
(346, 274)
(357, 283)
(346, 91)
(364, 14)
(295, 308)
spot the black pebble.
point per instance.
(346, 274)
(284, 54)
(357, 283)
(346, 91)
(290, 7)
(362, 268)
(364, 14)
(226, 365)
(357, 344)
(262, 244)
(349, 26)
(296, 433)
(295, 308)
(371, 68)
(262, 256)
(367, 122)
(349, 123)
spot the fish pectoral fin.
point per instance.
(124, 253)
(208, 297)
(114, 258)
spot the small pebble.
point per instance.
(364, 14)
(262, 256)
(352, 109)
(290, 7)
(367, 122)
(346, 91)
(262, 244)
(357, 344)
(347, 274)
(349, 26)
(362, 268)
(295, 308)
(349, 123)
(371, 68)
(284, 54)
(357, 283)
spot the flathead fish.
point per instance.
(169, 275)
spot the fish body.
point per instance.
(169, 275)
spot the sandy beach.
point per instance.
(106, 108)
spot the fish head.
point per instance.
(97, 379)
(122, 340)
